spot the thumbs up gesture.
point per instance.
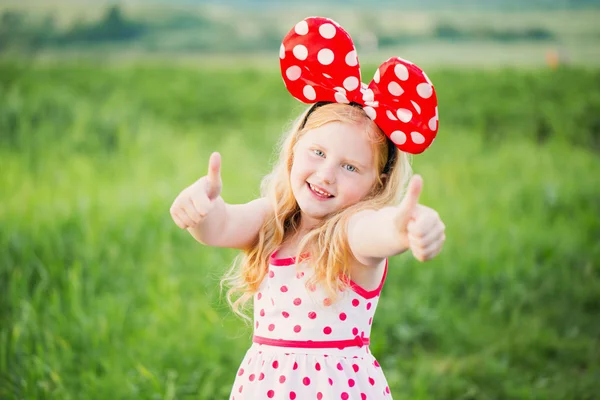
(196, 201)
(420, 227)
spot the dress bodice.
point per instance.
(284, 308)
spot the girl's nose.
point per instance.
(327, 173)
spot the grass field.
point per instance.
(103, 297)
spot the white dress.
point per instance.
(304, 347)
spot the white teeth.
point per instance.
(319, 191)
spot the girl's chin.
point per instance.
(316, 213)
(310, 211)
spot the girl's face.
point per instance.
(333, 168)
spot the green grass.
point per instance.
(102, 296)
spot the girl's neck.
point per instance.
(294, 237)
(307, 224)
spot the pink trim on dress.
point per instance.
(358, 341)
(281, 262)
(367, 294)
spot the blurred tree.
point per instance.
(11, 24)
(19, 30)
(113, 27)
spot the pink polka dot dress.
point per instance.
(305, 346)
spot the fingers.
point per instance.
(410, 201)
(424, 220)
(213, 188)
(432, 250)
(177, 220)
(426, 234)
(186, 213)
(195, 202)
(201, 206)
(428, 247)
(424, 239)
(413, 192)
(181, 218)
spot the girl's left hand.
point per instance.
(426, 233)
(421, 228)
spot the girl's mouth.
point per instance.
(319, 192)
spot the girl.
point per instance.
(316, 245)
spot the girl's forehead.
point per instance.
(336, 131)
(352, 140)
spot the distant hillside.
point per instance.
(436, 5)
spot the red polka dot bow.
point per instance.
(319, 63)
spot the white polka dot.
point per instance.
(282, 51)
(433, 123)
(341, 98)
(404, 115)
(391, 115)
(395, 89)
(425, 90)
(401, 72)
(325, 56)
(351, 83)
(327, 76)
(352, 58)
(301, 28)
(368, 95)
(398, 137)
(293, 72)
(327, 31)
(370, 112)
(340, 89)
(417, 137)
(377, 76)
(300, 52)
(309, 92)
(416, 106)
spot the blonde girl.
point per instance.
(315, 245)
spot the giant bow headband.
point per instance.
(319, 64)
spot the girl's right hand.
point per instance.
(195, 202)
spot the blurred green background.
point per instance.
(108, 110)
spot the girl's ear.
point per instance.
(383, 178)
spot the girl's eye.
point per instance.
(319, 153)
(350, 168)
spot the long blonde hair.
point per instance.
(327, 244)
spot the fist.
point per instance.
(195, 202)
(420, 228)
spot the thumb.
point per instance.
(410, 201)
(213, 189)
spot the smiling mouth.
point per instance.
(319, 192)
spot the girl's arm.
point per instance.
(231, 225)
(375, 235)
(201, 210)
